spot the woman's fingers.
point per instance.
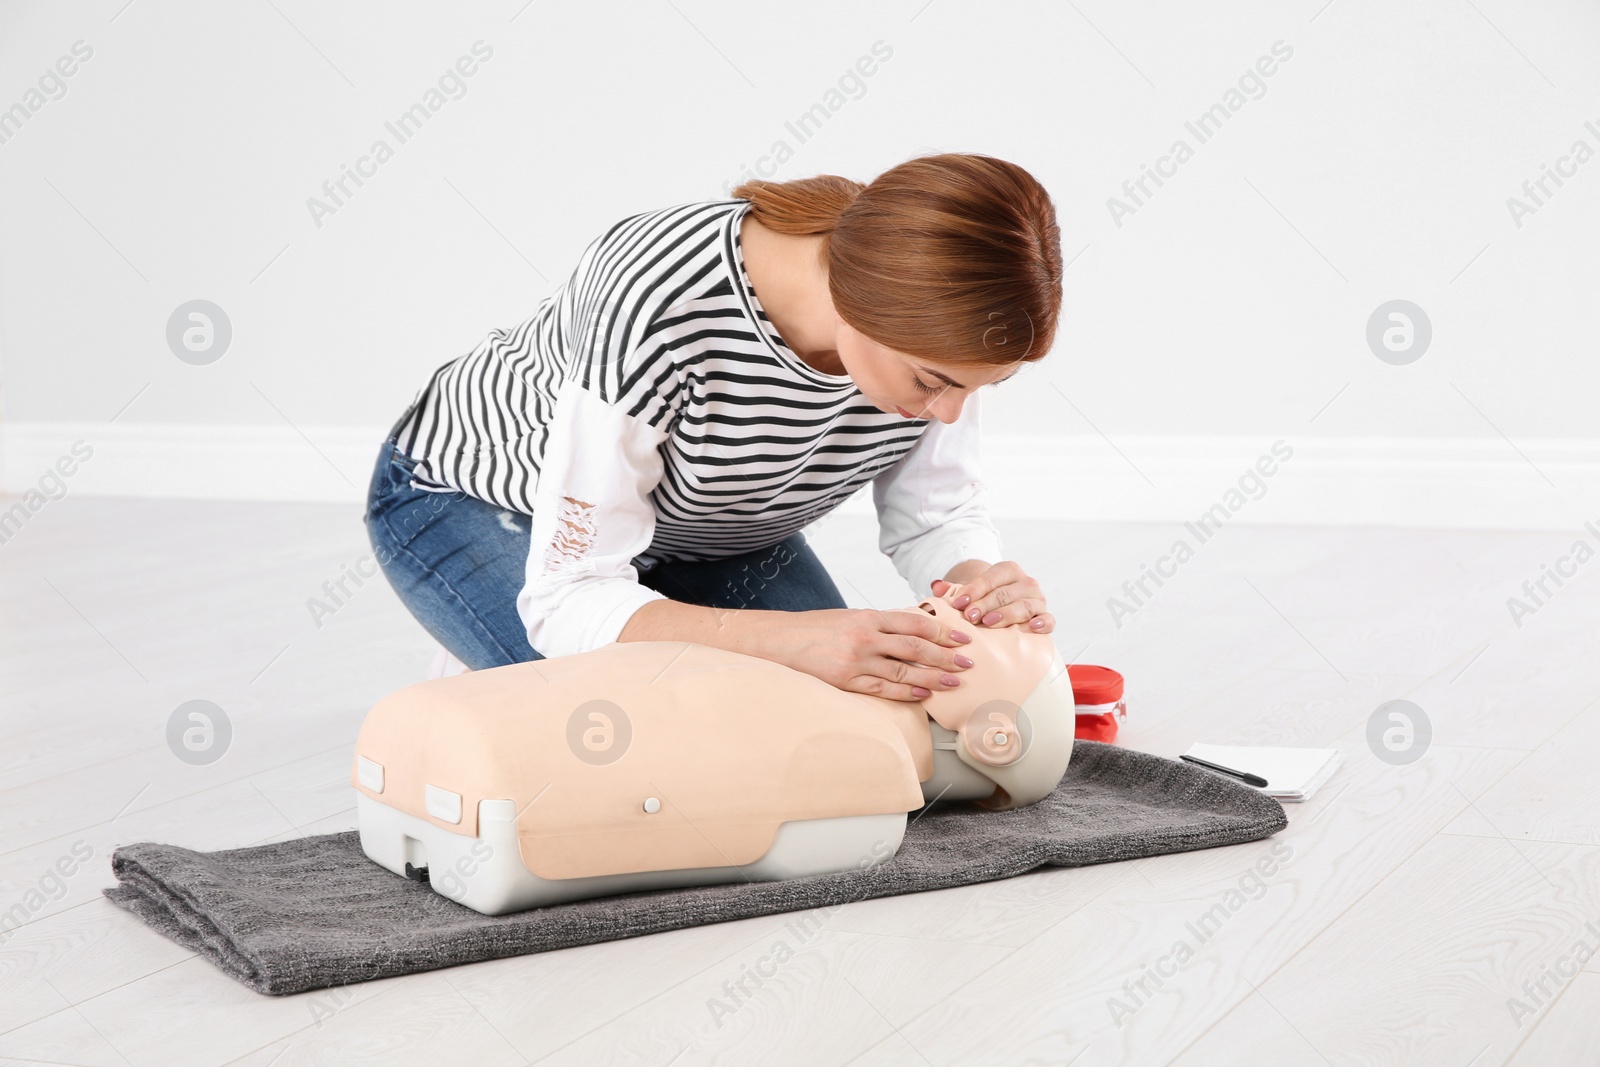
(1007, 607)
(915, 655)
(928, 659)
(932, 678)
(916, 650)
(874, 685)
(1003, 595)
(918, 636)
(992, 590)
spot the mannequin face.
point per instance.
(890, 379)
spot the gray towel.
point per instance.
(315, 912)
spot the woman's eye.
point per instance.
(922, 386)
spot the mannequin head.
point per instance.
(1003, 738)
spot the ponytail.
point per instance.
(803, 207)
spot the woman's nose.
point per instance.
(947, 408)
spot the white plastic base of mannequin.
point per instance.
(486, 873)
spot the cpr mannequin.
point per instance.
(657, 764)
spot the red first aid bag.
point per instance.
(1097, 691)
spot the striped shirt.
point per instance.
(649, 410)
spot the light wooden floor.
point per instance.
(1416, 900)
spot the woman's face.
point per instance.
(916, 388)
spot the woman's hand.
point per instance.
(1002, 595)
(901, 655)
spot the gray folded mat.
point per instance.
(315, 912)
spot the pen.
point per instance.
(1249, 779)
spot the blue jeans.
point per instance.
(458, 563)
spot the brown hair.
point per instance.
(951, 258)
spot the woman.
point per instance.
(636, 461)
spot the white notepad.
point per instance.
(1291, 773)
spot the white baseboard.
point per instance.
(1477, 483)
(194, 462)
(1459, 482)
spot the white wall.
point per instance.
(1228, 311)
